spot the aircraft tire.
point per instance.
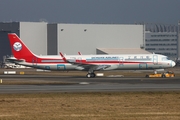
(163, 76)
(93, 75)
(90, 75)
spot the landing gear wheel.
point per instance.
(147, 76)
(163, 76)
(90, 75)
(93, 75)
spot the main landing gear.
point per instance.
(91, 75)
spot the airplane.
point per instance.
(89, 63)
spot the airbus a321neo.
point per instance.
(89, 63)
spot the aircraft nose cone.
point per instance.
(173, 63)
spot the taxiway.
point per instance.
(81, 84)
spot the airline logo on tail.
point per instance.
(17, 46)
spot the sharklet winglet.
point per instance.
(79, 53)
(63, 57)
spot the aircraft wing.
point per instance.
(86, 66)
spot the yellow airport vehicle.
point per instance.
(166, 74)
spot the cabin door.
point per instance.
(121, 63)
(155, 59)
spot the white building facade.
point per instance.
(86, 38)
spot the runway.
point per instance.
(81, 84)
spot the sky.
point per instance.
(91, 11)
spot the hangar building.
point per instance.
(87, 38)
(51, 38)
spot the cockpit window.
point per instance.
(164, 58)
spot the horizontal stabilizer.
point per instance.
(14, 60)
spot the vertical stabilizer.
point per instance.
(19, 49)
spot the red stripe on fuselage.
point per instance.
(92, 62)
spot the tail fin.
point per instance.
(19, 49)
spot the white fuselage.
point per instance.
(115, 62)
